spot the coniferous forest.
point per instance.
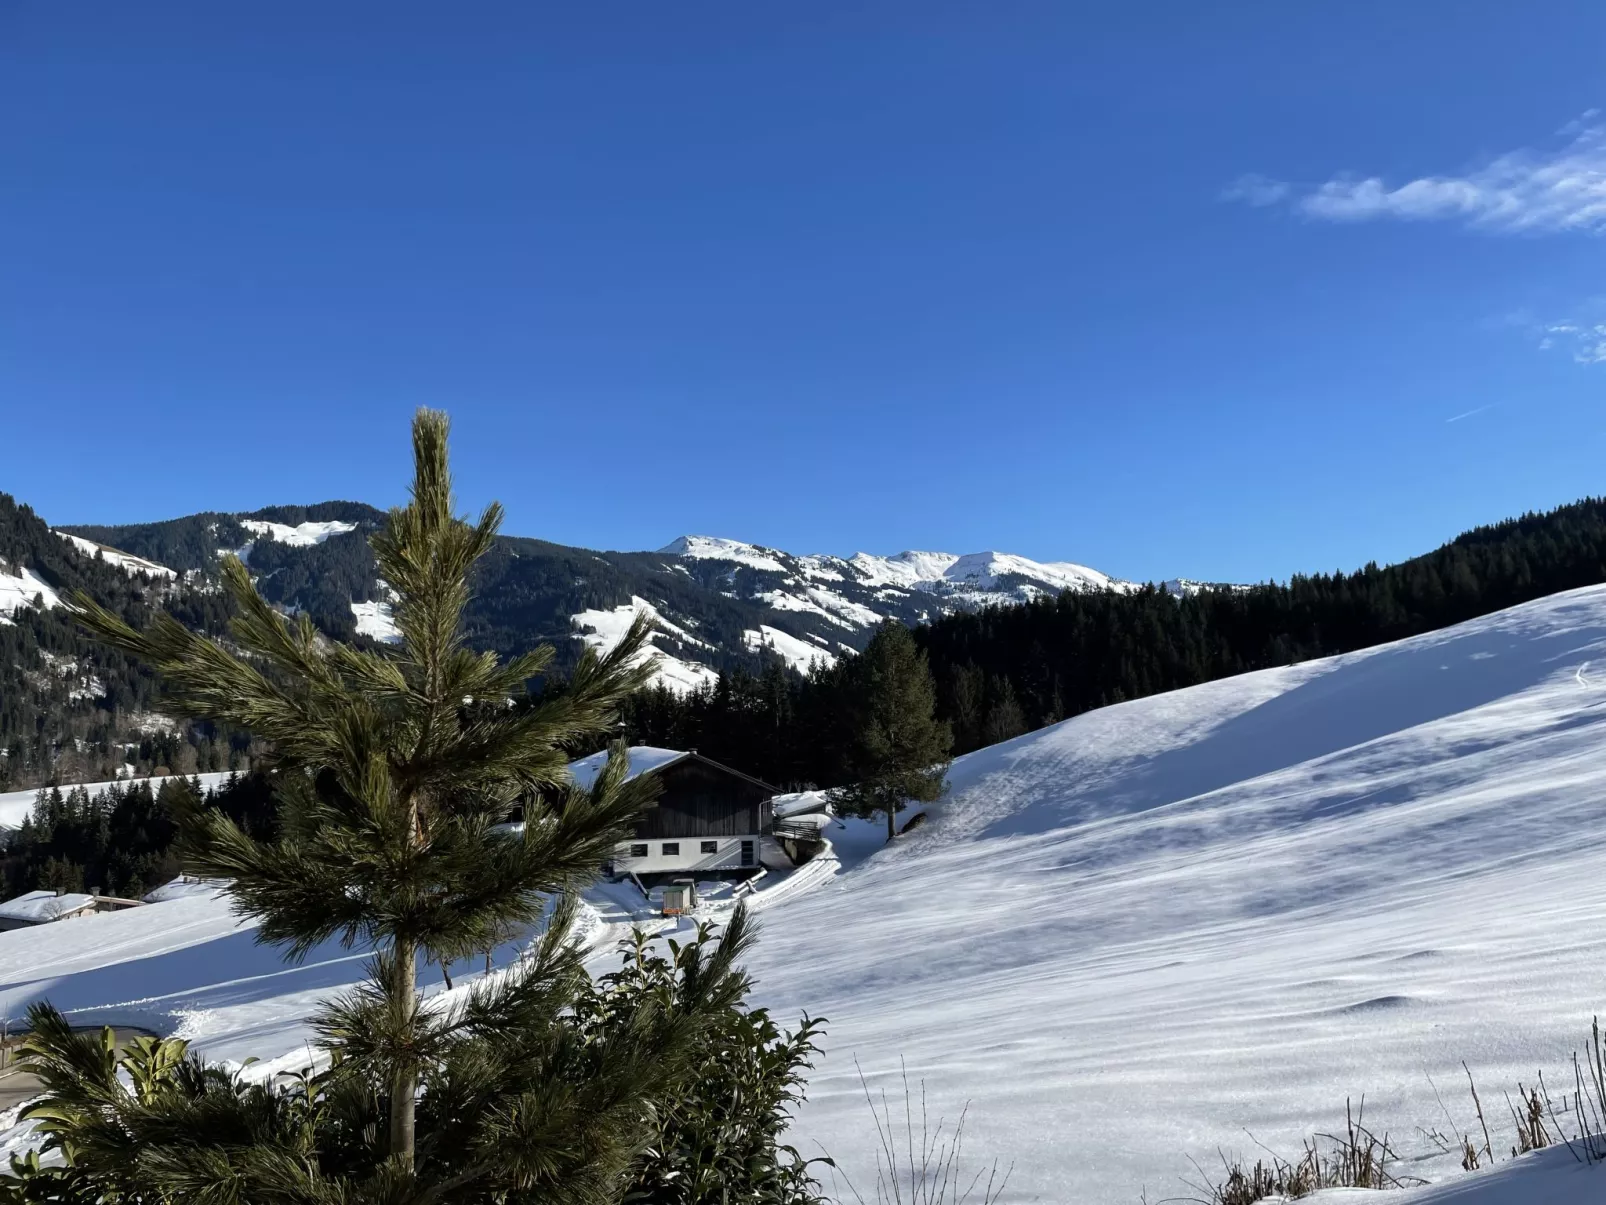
(1003, 671)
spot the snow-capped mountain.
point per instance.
(714, 603)
(823, 606)
(977, 578)
(807, 610)
(939, 581)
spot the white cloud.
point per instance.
(1588, 343)
(1258, 191)
(1584, 341)
(1523, 191)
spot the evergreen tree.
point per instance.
(395, 768)
(898, 749)
(1004, 717)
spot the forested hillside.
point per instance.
(70, 709)
(528, 591)
(1002, 671)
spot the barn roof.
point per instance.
(648, 759)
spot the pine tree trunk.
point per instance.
(892, 830)
(404, 1086)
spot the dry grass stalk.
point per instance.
(1356, 1158)
(922, 1165)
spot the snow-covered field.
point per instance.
(1149, 931)
(1140, 935)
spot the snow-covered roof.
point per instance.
(644, 759)
(39, 906)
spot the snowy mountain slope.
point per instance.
(24, 588)
(374, 619)
(1128, 937)
(16, 806)
(122, 560)
(716, 599)
(301, 535)
(863, 589)
(800, 655)
(604, 629)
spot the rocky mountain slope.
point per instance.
(715, 603)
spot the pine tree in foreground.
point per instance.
(396, 770)
(897, 748)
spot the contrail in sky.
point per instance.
(1470, 413)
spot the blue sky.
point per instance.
(1226, 291)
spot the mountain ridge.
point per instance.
(715, 603)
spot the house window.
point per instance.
(710, 847)
(747, 853)
(671, 849)
(638, 851)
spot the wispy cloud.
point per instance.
(1258, 191)
(1523, 191)
(1470, 413)
(1585, 340)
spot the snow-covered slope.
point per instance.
(23, 588)
(16, 806)
(800, 655)
(122, 560)
(302, 535)
(603, 629)
(375, 619)
(1127, 938)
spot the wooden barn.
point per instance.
(707, 819)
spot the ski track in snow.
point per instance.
(1130, 938)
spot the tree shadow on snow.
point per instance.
(1364, 697)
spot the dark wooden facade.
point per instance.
(701, 798)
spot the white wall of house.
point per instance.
(690, 854)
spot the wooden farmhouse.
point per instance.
(708, 819)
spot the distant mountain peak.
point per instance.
(908, 570)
